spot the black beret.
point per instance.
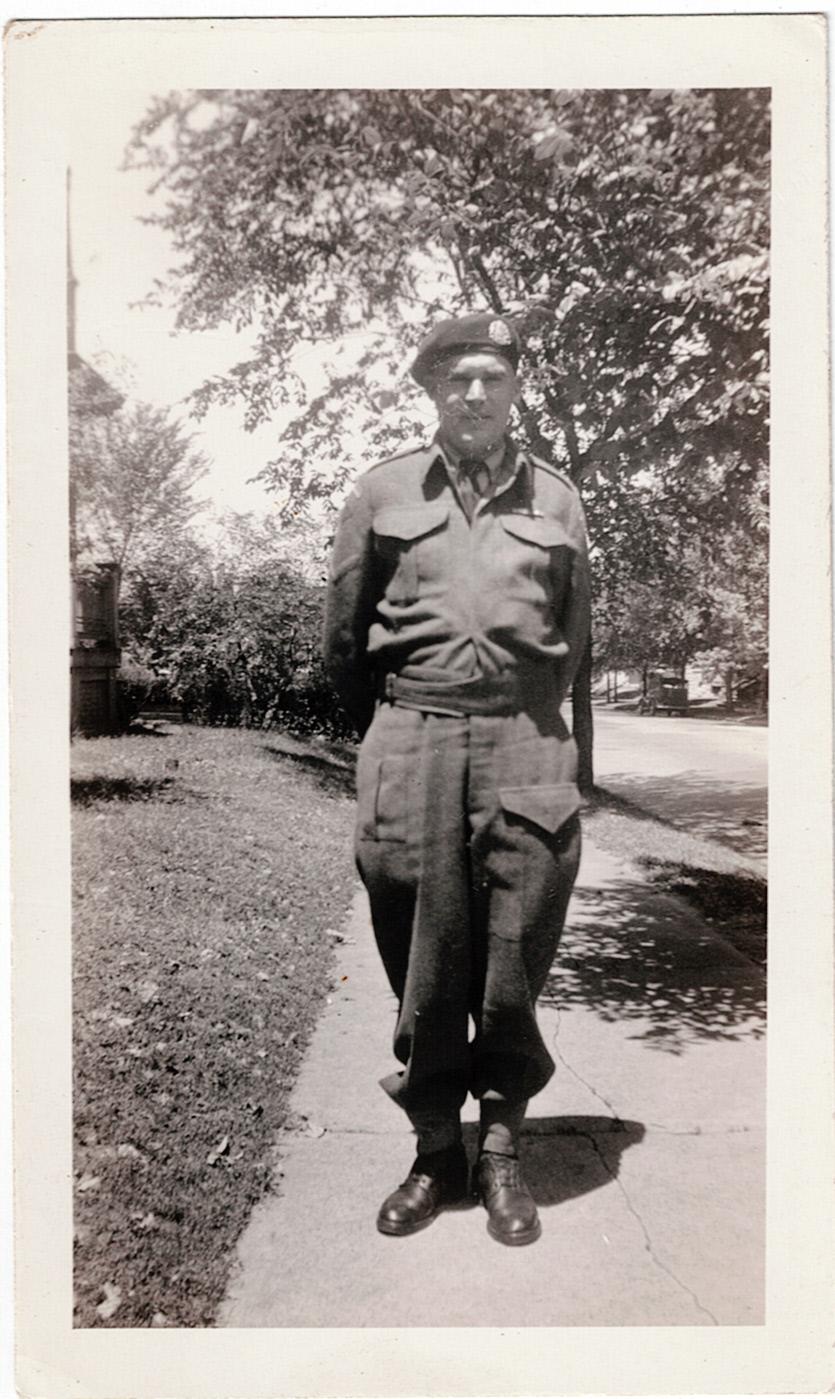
(482, 330)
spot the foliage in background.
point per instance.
(132, 472)
(233, 630)
(625, 231)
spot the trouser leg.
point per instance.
(412, 855)
(527, 898)
(525, 854)
(468, 898)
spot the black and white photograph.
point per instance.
(419, 494)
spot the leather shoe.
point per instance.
(511, 1211)
(434, 1181)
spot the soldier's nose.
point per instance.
(475, 393)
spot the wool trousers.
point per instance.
(468, 842)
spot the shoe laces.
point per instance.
(500, 1170)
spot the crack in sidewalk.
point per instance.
(615, 1179)
(648, 1245)
(579, 1077)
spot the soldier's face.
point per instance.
(474, 394)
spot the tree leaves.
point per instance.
(555, 146)
(627, 229)
(132, 472)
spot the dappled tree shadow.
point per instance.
(564, 1157)
(333, 774)
(699, 802)
(86, 790)
(631, 953)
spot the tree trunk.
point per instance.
(583, 723)
(729, 690)
(615, 688)
(608, 687)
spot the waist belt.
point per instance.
(505, 693)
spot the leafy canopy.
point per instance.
(626, 230)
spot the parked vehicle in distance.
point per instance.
(666, 694)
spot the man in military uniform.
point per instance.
(457, 614)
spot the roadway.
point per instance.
(707, 776)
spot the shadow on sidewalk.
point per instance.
(562, 1156)
(630, 953)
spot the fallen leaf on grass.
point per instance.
(218, 1151)
(132, 1152)
(160, 1319)
(89, 1183)
(144, 1221)
(112, 1301)
(146, 991)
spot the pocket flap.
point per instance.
(534, 529)
(409, 521)
(547, 806)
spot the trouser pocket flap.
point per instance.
(548, 806)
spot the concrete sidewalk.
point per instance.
(646, 1151)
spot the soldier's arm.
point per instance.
(349, 610)
(576, 618)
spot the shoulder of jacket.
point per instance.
(554, 471)
(417, 451)
(407, 458)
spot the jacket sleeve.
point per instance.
(349, 610)
(576, 617)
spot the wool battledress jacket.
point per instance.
(419, 590)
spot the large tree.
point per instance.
(625, 230)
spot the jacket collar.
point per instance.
(432, 453)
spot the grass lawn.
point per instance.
(210, 870)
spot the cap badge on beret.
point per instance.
(475, 333)
(499, 333)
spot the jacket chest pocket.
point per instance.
(538, 548)
(411, 541)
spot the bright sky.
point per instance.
(116, 260)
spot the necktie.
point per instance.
(473, 482)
